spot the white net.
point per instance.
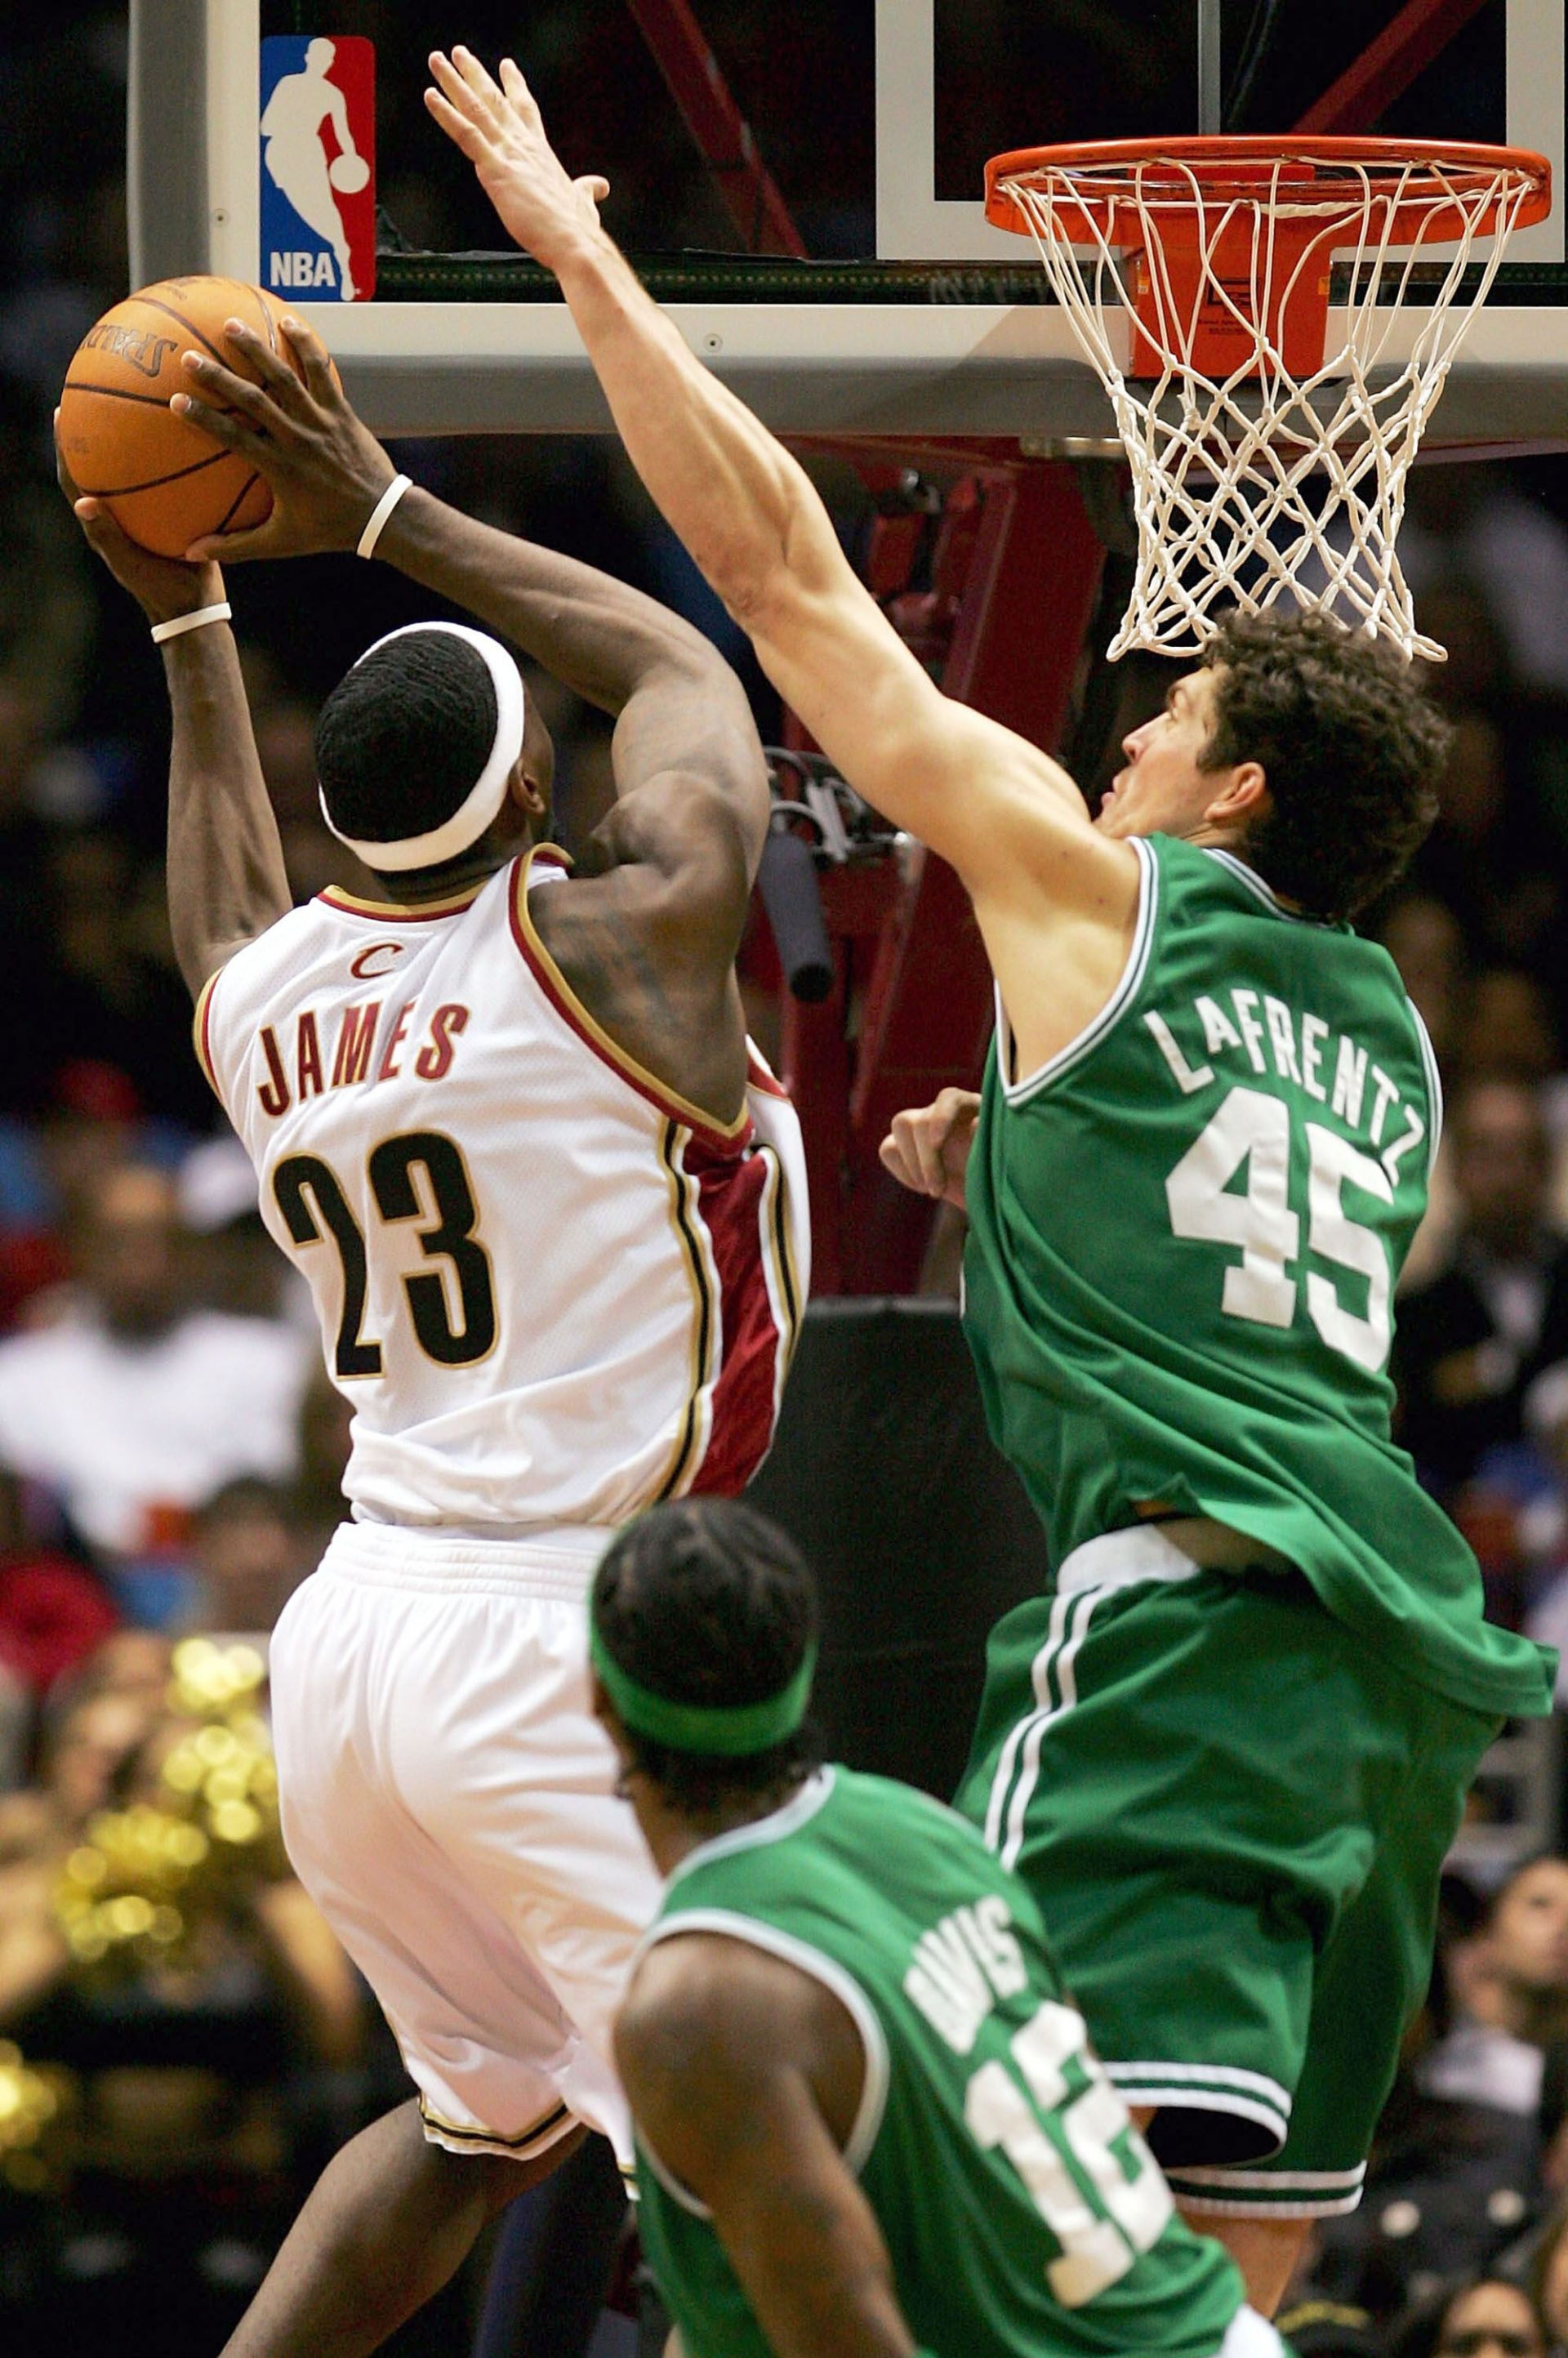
(1264, 485)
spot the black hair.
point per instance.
(1418, 2331)
(403, 738)
(705, 1601)
(1516, 1874)
(1349, 744)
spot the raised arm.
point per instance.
(227, 882)
(1007, 816)
(719, 2047)
(691, 779)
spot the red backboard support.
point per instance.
(1014, 570)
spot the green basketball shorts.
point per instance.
(1233, 1816)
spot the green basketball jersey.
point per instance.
(1184, 1232)
(1023, 2214)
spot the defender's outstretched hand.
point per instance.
(164, 586)
(326, 471)
(499, 129)
(927, 1148)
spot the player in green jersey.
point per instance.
(1229, 1747)
(868, 2121)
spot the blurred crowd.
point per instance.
(182, 2044)
(181, 2041)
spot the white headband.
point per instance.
(472, 816)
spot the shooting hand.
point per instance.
(326, 471)
(164, 586)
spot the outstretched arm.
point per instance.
(1010, 820)
(720, 2048)
(227, 882)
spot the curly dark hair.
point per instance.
(1349, 743)
(705, 1601)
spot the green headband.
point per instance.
(731, 1730)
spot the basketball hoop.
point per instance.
(1201, 296)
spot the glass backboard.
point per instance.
(854, 132)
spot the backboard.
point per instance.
(855, 133)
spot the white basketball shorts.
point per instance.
(447, 1802)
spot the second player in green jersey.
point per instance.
(867, 2112)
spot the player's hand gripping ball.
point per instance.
(164, 482)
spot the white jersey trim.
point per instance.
(1263, 891)
(570, 1007)
(836, 1980)
(1055, 1068)
(1181, 2076)
(1290, 2181)
(777, 1827)
(1234, 2106)
(456, 2137)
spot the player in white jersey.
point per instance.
(550, 1206)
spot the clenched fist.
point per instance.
(927, 1148)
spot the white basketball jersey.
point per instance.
(554, 1291)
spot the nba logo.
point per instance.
(317, 166)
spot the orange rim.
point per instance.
(1106, 181)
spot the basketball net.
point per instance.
(1269, 457)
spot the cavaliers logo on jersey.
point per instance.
(377, 960)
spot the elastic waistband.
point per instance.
(556, 1563)
(1168, 1551)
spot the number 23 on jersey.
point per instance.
(419, 1172)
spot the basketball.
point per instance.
(349, 173)
(164, 481)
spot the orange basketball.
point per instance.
(163, 480)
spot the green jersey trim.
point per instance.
(835, 1979)
(1206, 2088)
(1265, 892)
(1067, 1059)
(798, 1811)
(1304, 2181)
(1199, 2202)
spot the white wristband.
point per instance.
(379, 513)
(183, 622)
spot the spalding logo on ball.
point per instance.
(164, 482)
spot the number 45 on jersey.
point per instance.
(1252, 1127)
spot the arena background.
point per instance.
(163, 2109)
